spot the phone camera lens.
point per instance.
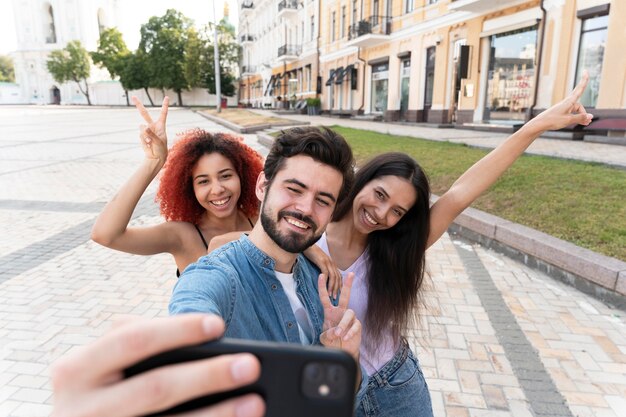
(334, 373)
(313, 372)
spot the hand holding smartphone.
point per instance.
(302, 381)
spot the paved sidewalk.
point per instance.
(584, 151)
(498, 339)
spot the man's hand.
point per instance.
(153, 135)
(341, 327)
(89, 381)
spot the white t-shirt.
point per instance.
(371, 361)
(302, 317)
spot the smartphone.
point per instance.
(296, 380)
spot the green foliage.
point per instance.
(7, 71)
(71, 64)
(111, 52)
(580, 202)
(194, 59)
(163, 42)
(314, 102)
(134, 73)
(229, 57)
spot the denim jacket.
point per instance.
(237, 282)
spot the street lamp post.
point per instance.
(216, 55)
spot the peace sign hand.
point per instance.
(567, 112)
(341, 328)
(153, 136)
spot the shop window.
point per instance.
(380, 87)
(511, 76)
(591, 55)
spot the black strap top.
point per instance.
(206, 245)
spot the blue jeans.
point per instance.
(398, 389)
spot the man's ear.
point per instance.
(261, 186)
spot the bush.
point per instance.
(313, 102)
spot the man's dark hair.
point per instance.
(321, 144)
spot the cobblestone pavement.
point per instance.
(585, 151)
(496, 338)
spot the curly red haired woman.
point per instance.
(206, 190)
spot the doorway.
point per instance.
(429, 82)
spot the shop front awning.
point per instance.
(331, 77)
(344, 74)
(270, 86)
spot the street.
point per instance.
(496, 338)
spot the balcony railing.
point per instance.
(289, 50)
(378, 25)
(247, 38)
(287, 4)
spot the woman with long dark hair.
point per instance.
(381, 233)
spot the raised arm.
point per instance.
(480, 176)
(111, 227)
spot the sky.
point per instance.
(133, 13)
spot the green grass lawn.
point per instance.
(581, 202)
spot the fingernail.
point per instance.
(242, 367)
(338, 331)
(248, 406)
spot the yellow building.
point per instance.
(466, 62)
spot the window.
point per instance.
(312, 27)
(307, 74)
(354, 11)
(591, 56)
(333, 25)
(343, 21)
(375, 8)
(511, 76)
(49, 30)
(409, 5)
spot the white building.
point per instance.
(280, 51)
(45, 25)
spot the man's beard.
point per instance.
(291, 242)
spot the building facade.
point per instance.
(458, 61)
(280, 52)
(45, 25)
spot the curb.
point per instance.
(590, 272)
(247, 129)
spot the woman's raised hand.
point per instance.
(567, 112)
(153, 136)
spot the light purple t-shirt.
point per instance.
(370, 361)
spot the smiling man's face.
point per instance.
(299, 202)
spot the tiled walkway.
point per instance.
(497, 339)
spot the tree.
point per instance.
(71, 64)
(163, 42)
(7, 71)
(134, 73)
(194, 59)
(229, 57)
(111, 53)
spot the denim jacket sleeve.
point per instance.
(204, 287)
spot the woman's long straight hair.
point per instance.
(396, 256)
